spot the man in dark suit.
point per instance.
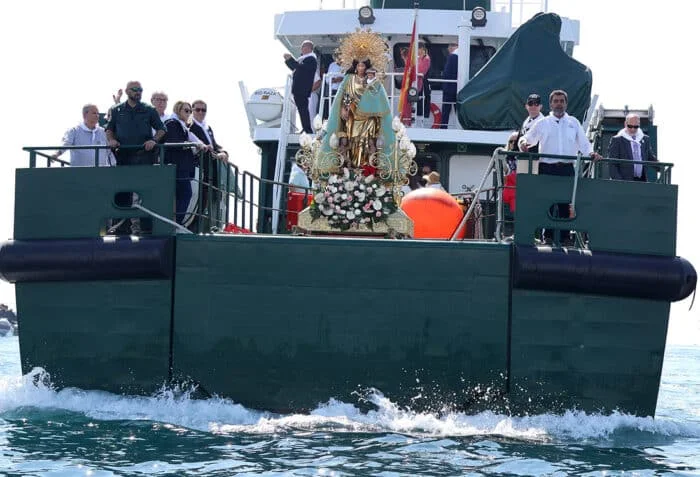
(449, 90)
(632, 144)
(304, 69)
(210, 169)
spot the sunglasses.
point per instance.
(136, 89)
(201, 110)
(188, 111)
(633, 126)
(533, 103)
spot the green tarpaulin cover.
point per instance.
(531, 61)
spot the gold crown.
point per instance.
(363, 45)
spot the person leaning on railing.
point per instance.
(178, 131)
(87, 133)
(210, 169)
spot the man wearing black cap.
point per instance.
(533, 105)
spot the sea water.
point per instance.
(74, 432)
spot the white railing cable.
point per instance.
(179, 227)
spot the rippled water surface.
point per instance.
(73, 432)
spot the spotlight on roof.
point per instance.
(366, 15)
(478, 17)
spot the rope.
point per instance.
(179, 227)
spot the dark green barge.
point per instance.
(283, 322)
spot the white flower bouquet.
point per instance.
(351, 199)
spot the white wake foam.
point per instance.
(225, 416)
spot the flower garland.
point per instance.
(350, 199)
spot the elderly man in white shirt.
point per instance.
(562, 135)
(87, 133)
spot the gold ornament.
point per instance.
(363, 45)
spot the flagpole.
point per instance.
(417, 41)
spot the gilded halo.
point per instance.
(363, 45)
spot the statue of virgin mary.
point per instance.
(360, 124)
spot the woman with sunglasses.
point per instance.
(178, 131)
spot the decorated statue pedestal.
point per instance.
(396, 224)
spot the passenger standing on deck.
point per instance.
(423, 83)
(87, 133)
(159, 100)
(178, 131)
(132, 123)
(304, 69)
(558, 134)
(533, 105)
(449, 89)
(210, 171)
(203, 131)
(632, 144)
(333, 77)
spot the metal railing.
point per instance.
(393, 92)
(583, 166)
(221, 200)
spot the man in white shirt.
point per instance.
(87, 133)
(558, 134)
(562, 135)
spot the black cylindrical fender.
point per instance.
(107, 258)
(603, 273)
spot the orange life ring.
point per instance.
(437, 116)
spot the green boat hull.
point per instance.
(284, 323)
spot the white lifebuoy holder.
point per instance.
(265, 104)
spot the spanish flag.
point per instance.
(409, 77)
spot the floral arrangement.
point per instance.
(350, 199)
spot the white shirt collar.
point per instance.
(205, 128)
(637, 136)
(302, 57)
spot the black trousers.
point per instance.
(446, 110)
(561, 210)
(424, 101)
(302, 103)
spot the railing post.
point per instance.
(235, 194)
(200, 216)
(228, 192)
(97, 157)
(32, 159)
(244, 189)
(250, 210)
(211, 163)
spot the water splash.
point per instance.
(175, 406)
